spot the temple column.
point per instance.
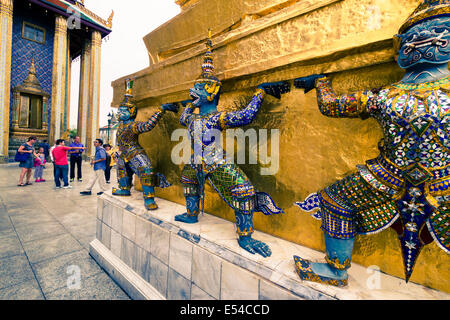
(59, 82)
(83, 102)
(6, 18)
(68, 84)
(94, 92)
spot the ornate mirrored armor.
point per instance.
(131, 157)
(208, 161)
(407, 186)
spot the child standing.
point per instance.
(109, 153)
(39, 166)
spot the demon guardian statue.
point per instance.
(208, 160)
(131, 157)
(407, 186)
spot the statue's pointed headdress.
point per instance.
(128, 99)
(213, 84)
(427, 9)
(208, 63)
(129, 87)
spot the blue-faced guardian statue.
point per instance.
(407, 186)
(131, 158)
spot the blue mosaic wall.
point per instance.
(23, 50)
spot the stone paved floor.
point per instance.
(44, 242)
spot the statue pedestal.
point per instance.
(153, 257)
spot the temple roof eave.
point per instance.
(61, 6)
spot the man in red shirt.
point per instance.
(61, 164)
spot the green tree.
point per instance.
(73, 133)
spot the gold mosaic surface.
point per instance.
(315, 151)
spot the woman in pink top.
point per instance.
(61, 164)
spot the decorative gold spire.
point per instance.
(110, 19)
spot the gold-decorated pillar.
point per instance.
(94, 92)
(83, 101)
(6, 17)
(59, 82)
(68, 84)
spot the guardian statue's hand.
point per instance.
(308, 83)
(185, 102)
(173, 107)
(275, 89)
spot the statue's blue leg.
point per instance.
(244, 224)
(191, 193)
(142, 167)
(238, 192)
(193, 209)
(334, 271)
(124, 180)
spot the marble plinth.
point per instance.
(153, 257)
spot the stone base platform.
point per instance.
(153, 257)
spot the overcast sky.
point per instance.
(124, 52)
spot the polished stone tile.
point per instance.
(179, 288)
(269, 291)
(160, 243)
(7, 232)
(28, 290)
(116, 243)
(40, 231)
(50, 248)
(206, 271)
(106, 235)
(10, 245)
(97, 287)
(5, 223)
(116, 219)
(143, 263)
(158, 275)
(107, 213)
(129, 225)
(100, 205)
(26, 220)
(128, 253)
(143, 233)
(14, 270)
(22, 211)
(85, 234)
(63, 271)
(72, 219)
(98, 232)
(180, 255)
(238, 284)
(199, 294)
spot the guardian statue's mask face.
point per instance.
(426, 42)
(124, 113)
(205, 93)
(127, 110)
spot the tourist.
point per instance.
(27, 162)
(109, 164)
(39, 166)
(76, 159)
(53, 159)
(99, 164)
(46, 147)
(61, 164)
